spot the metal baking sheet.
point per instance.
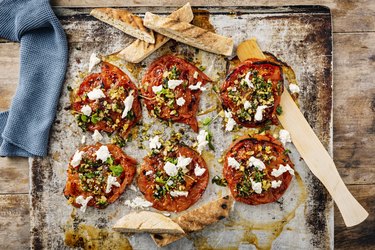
(301, 219)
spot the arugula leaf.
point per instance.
(116, 170)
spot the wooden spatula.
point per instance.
(310, 148)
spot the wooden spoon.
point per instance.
(310, 148)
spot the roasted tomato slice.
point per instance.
(257, 169)
(252, 91)
(171, 88)
(175, 180)
(104, 181)
(107, 102)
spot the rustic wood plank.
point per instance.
(14, 177)
(9, 61)
(14, 221)
(348, 16)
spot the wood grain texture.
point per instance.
(9, 61)
(14, 177)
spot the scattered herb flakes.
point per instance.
(219, 181)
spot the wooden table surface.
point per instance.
(353, 115)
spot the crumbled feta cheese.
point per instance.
(83, 139)
(282, 169)
(94, 60)
(77, 157)
(257, 163)
(128, 102)
(183, 162)
(180, 101)
(276, 184)
(248, 81)
(259, 113)
(133, 188)
(111, 181)
(202, 140)
(102, 153)
(247, 105)
(294, 88)
(86, 110)
(178, 193)
(172, 84)
(97, 136)
(170, 183)
(138, 202)
(170, 169)
(284, 136)
(83, 202)
(256, 186)
(232, 162)
(197, 86)
(95, 94)
(166, 214)
(231, 122)
(198, 171)
(157, 89)
(149, 172)
(195, 74)
(154, 142)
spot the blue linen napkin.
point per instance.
(25, 127)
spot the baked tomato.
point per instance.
(171, 89)
(258, 169)
(101, 172)
(107, 101)
(252, 91)
(173, 179)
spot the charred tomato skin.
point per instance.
(73, 188)
(234, 176)
(154, 77)
(196, 185)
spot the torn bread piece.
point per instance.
(190, 34)
(149, 222)
(197, 219)
(139, 50)
(124, 21)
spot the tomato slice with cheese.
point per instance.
(173, 179)
(258, 169)
(101, 172)
(107, 101)
(171, 89)
(252, 91)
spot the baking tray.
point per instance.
(301, 219)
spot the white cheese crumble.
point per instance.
(284, 136)
(257, 163)
(170, 183)
(282, 169)
(102, 153)
(183, 162)
(95, 94)
(170, 169)
(197, 86)
(111, 181)
(232, 162)
(294, 88)
(259, 113)
(172, 84)
(94, 60)
(202, 140)
(83, 139)
(231, 122)
(246, 105)
(77, 157)
(86, 110)
(83, 202)
(276, 184)
(138, 202)
(180, 101)
(157, 89)
(256, 186)
(166, 214)
(195, 74)
(179, 193)
(154, 142)
(248, 81)
(198, 171)
(128, 102)
(97, 136)
(149, 172)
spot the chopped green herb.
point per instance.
(109, 161)
(219, 181)
(286, 151)
(118, 140)
(116, 170)
(84, 118)
(202, 68)
(69, 88)
(279, 110)
(207, 121)
(209, 139)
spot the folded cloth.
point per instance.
(25, 127)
